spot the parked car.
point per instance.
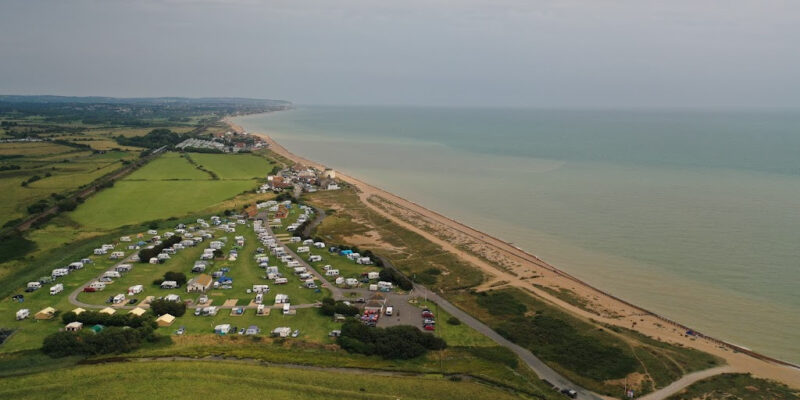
(296, 333)
(133, 301)
(569, 393)
(181, 330)
(429, 327)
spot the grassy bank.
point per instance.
(178, 380)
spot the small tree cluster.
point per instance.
(330, 307)
(393, 275)
(86, 342)
(397, 342)
(146, 254)
(161, 307)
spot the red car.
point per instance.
(429, 327)
(89, 289)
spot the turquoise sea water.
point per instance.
(692, 214)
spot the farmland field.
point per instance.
(185, 380)
(170, 166)
(238, 166)
(129, 202)
(171, 186)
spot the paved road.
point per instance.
(685, 381)
(336, 292)
(539, 367)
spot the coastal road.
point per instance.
(539, 367)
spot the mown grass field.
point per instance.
(234, 166)
(131, 202)
(171, 186)
(221, 380)
(169, 166)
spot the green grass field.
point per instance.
(130, 202)
(225, 380)
(169, 166)
(170, 186)
(234, 166)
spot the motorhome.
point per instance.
(56, 289)
(261, 288)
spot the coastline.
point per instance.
(622, 313)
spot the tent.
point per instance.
(165, 320)
(138, 311)
(47, 313)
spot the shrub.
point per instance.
(397, 342)
(453, 321)
(161, 307)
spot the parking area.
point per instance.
(403, 312)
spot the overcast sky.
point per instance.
(565, 53)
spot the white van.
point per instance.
(389, 310)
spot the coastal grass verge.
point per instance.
(417, 257)
(601, 358)
(736, 386)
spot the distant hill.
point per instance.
(141, 100)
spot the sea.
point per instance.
(692, 214)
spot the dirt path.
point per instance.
(622, 313)
(684, 382)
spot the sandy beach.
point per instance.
(506, 265)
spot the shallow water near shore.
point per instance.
(693, 215)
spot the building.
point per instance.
(200, 283)
(74, 326)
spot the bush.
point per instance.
(86, 342)
(330, 307)
(397, 342)
(453, 321)
(392, 275)
(161, 307)
(146, 254)
(67, 205)
(178, 277)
